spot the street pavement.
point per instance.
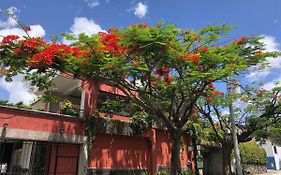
(271, 172)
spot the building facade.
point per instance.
(273, 152)
(49, 142)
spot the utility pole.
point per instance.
(231, 90)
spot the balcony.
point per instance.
(70, 99)
(67, 97)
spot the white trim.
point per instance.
(23, 134)
(83, 159)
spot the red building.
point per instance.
(48, 142)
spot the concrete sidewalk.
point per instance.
(271, 172)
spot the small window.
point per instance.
(275, 149)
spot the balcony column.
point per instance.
(90, 97)
(82, 103)
(47, 106)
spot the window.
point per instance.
(113, 104)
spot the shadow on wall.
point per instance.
(120, 152)
(213, 161)
(67, 130)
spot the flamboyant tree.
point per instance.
(256, 110)
(163, 70)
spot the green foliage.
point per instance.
(68, 108)
(163, 172)
(274, 133)
(4, 103)
(114, 106)
(91, 134)
(141, 122)
(19, 105)
(251, 153)
(187, 172)
(184, 172)
(163, 70)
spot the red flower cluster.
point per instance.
(212, 93)
(163, 71)
(258, 53)
(29, 45)
(53, 52)
(33, 43)
(42, 59)
(168, 79)
(141, 25)
(218, 93)
(240, 40)
(211, 85)
(78, 53)
(17, 51)
(204, 49)
(192, 57)
(9, 39)
(110, 43)
(26, 28)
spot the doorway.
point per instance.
(19, 157)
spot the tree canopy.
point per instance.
(164, 70)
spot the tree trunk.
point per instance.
(175, 160)
(226, 155)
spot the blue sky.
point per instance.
(52, 17)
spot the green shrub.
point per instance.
(166, 172)
(252, 153)
(163, 172)
(186, 172)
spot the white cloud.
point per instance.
(10, 27)
(257, 74)
(83, 25)
(36, 31)
(274, 63)
(141, 10)
(92, 3)
(270, 43)
(17, 90)
(10, 22)
(13, 10)
(271, 84)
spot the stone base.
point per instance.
(254, 169)
(116, 172)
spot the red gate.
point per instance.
(64, 159)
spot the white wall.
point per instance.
(269, 148)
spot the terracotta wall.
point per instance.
(110, 151)
(20, 119)
(128, 152)
(119, 152)
(164, 148)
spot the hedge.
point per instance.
(252, 153)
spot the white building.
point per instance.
(273, 152)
